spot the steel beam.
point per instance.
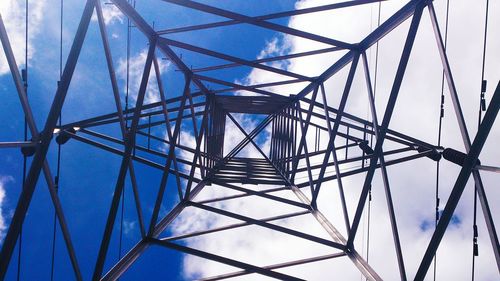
(126, 261)
(17, 144)
(233, 226)
(303, 144)
(355, 257)
(172, 139)
(336, 124)
(221, 259)
(270, 59)
(269, 226)
(261, 23)
(490, 225)
(233, 59)
(164, 178)
(263, 195)
(332, 132)
(123, 124)
(385, 122)
(235, 86)
(120, 183)
(198, 135)
(272, 16)
(113, 117)
(275, 266)
(45, 139)
(367, 168)
(385, 177)
(149, 32)
(284, 156)
(133, 157)
(464, 175)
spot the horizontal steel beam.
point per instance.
(261, 23)
(275, 266)
(232, 226)
(270, 226)
(271, 16)
(17, 144)
(221, 259)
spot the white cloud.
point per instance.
(136, 69)
(412, 185)
(129, 227)
(278, 46)
(3, 181)
(13, 15)
(110, 13)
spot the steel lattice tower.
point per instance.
(288, 118)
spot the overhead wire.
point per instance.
(375, 75)
(58, 167)
(127, 80)
(25, 158)
(371, 136)
(482, 107)
(129, 39)
(440, 129)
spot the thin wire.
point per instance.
(121, 225)
(129, 36)
(376, 64)
(58, 171)
(371, 140)
(368, 224)
(441, 116)
(482, 107)
(19, 255)
(363, 243)
(370, 59)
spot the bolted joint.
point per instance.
(433, 153)
(28, 151)
(363, 145)
(64, 137)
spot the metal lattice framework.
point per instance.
(289, 119)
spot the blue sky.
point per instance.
(86, 193)
(88, 174)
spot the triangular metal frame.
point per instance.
(287, 148)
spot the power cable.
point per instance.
(122, 211)
(376, 64)
(371, 137)
(25, 79)
(482, 107)
(440, 129)
(58, 169)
